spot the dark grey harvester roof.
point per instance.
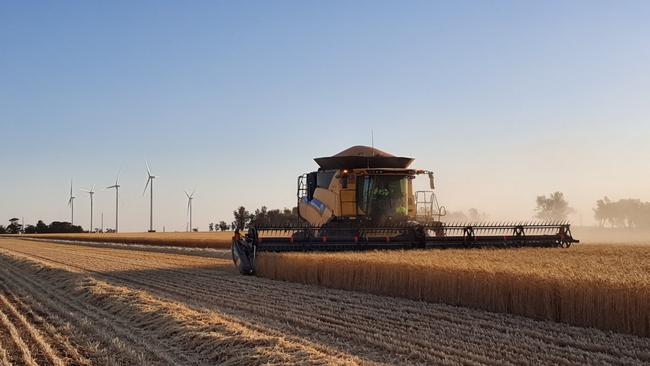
(363, 157)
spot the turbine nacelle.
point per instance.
(71, 204)
(71, 196)
(116, 185)
(190, 197)
(117, 204)
(89, 191)
(150, 177)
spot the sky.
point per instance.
(503, 100)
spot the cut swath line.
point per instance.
(128, 304)
(49, 328)
(27, 356)
(113, 327)
(4, 357)
(33, 332)
(85, 328)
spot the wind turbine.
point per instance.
(117, 197)
(71, 204)
(190, 197)
(150, 178)
(91, 192)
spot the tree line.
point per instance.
(243, 218)
(624, 213)
(627, 213)
(15, 227)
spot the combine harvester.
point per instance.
(363, 199)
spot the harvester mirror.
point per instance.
(431, 184)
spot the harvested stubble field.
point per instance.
(218, 240)
(77, 304)
(602, 286)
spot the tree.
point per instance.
(30, 229)
(456, 216)
(41, 227)
(275, 217)
(629, 213)
(3, 230)
(242, 218)
(472, 215)
(14, 227)
(602, 212)
(260, 217)
(475, 215)
(211, 227)
(223, 226)
(555, 207)
(63, 227)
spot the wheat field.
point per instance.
(89, 304)
(217, 239)
(602, 286)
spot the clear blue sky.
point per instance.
(503, 100)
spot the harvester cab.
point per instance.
(364, 199)
(364, 186)
(367, 196)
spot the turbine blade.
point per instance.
(148, 169)
(188, 196)
(118, 175)
(146, 185)
(193, 191)
(93, 189)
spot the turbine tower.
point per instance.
(190, 197)
(91, 192)
(150, 178)
(117, 198)
(71, 204)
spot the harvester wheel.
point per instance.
(252, 234)
(420, 236)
